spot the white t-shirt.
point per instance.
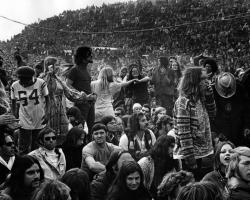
(32, 103)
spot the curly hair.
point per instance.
(201, 190)
(172, 180)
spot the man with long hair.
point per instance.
(26, 176)
(80, 79)
(191, 113)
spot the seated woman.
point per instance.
(128, 184)
(222, 157)
(102, 181)
(139, 139)
(172, 183)
(72, 147)
(159, 162)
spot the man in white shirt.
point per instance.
(7, 155)
(30, 104)
(51, 159)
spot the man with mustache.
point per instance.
(26, 176)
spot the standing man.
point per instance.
(80, 79)
(164, 87)
(233, 115)
(30, 104)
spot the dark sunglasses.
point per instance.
(48, 138)
(9, 144)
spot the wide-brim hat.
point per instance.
(225, 84)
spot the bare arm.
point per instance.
(145, 79)
(94, 166)
(69, 83)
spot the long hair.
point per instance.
(131, 67)
(119, 187)
(106, 76)
(201, 190)
(134, 125)
(16, 181)
(160, 154)
(217, 163)
(52, 190)
(78, 181)
(73, 136)
(189, 84)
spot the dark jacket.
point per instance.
(238, 189)
(232, 116)
(4, 171)
(73, 156)
(218, 179)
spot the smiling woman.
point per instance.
(129, 183)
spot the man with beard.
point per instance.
(7, 155)
(26, 177)
(95, 155)
(80, 79)
(51, 159)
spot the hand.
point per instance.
(91, 97)
(7, 119)
(246, 133)
(135, 81)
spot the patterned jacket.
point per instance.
(190, 143)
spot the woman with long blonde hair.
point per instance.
(105, 87)
(192, 113)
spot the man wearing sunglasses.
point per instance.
(51, 159)
(7, 155)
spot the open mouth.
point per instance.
(227, 159)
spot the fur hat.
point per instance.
(25, 71)
(225, 84)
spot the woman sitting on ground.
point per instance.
(159, 162)
(128, 184)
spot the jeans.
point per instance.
(28, 140)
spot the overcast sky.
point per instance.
(29, 11)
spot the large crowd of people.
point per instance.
(164, 116)
(181, 132)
